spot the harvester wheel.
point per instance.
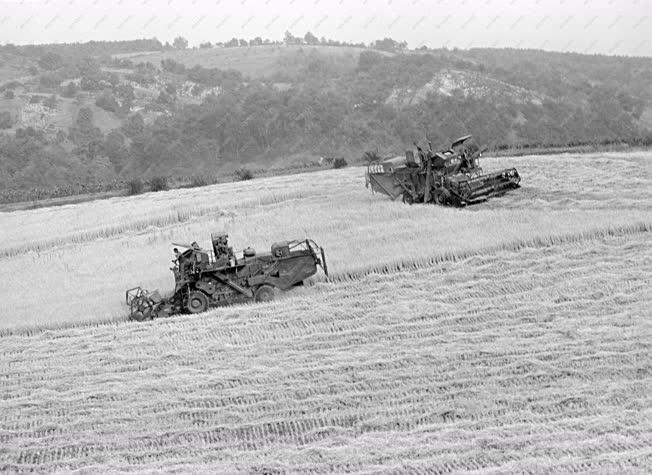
(197, 302)
(138, 316)
(147, 313)
(440, 198)
(455, 201)
(265, 293)
(408, 198)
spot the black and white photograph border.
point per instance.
(286, 236)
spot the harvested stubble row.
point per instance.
(514, 361)
(83, 257)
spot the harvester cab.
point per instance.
(206, 279)
(222, 251)
(193, 260)
(462, 157)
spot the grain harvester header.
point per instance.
(208, 278)
(450, 177)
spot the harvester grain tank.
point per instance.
(450, 177)
(205, 279)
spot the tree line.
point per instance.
(325, 109)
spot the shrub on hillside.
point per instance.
(158, 183)
(339, 163)
(370, 156)
(134, 125)
(6, 120)
(107, 102)
(51, 102)
(135, 186)
(172, 66)
(11, 85)
(90, 83)
(50, 61)
(244, 173)
(198, 180)
(70, 90)
(51, 79)
(164, 98)
(143, 78)
(180, 42)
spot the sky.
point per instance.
(616, 27)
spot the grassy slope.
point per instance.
(519, 361)
(82, 257)
(254, 62)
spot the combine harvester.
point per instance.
(450, 177)
(204, 279)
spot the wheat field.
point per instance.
(512, 336)
(534, 360)
(72, 263)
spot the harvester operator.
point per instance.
(223, 252)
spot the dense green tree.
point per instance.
(50, 61)
(86, 136)
(172, 66)
(107, 102)
(127, 96)
(51, 79)
(310, 39)
(134, 125)
(389, 44)
(180, 43)
(290, 39)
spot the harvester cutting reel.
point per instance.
(145, 305)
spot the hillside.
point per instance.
(91, 116)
